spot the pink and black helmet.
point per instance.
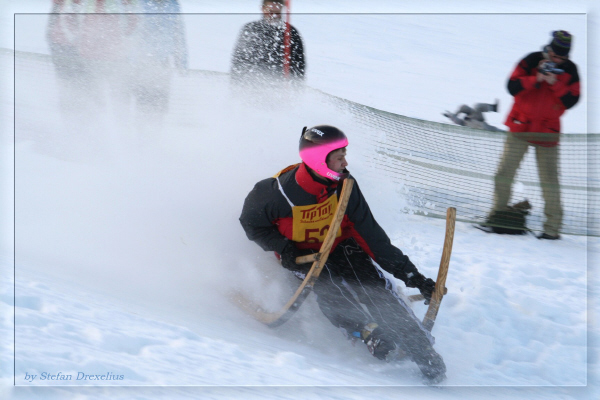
(316, 143)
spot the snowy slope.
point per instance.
(125, 259)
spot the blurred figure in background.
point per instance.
(160, 49)
(115, 62)
(473, 116)
(258, 57)
(90, 41)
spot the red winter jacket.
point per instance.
(539, 105)
(97, 29)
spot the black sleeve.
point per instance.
(524, 68)
(262, 206)
(298, 63)
(242, 59)
(514, 87)
(388, 256)
(570, 99)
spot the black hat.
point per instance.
(561, 43)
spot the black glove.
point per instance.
(426, 289)
(288, 258)
(425, 285)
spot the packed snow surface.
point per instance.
(127, 249)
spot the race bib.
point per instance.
(311, 223)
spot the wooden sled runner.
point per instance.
(440, 283)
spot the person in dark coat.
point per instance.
(260, 49)
(290, 214)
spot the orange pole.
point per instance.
(287, 51)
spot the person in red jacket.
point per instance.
(290, 214)
(544, 84)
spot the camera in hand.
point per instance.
(550, 67)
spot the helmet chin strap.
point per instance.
(325, 179)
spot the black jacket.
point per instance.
(259, 51)
(267, 219)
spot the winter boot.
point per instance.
(547, 236)
(379, 343)
(494, 107)
(431, 365)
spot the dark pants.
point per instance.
(352, 292)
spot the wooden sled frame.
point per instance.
(275, 319)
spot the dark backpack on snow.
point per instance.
(511, 222)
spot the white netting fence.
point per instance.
(437, 165)
(444, 166)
